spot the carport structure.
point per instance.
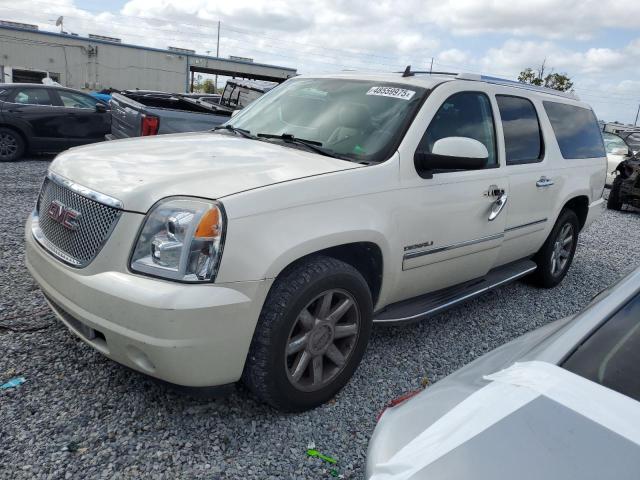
(238, 69)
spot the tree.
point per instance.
(557, 81)
(208, 86)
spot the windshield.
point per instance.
(612, 141)
(353, 119)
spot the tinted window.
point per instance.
(32, 96)
(77, 100)
(522, 135)
(576, 129)
(611, 355)
(465, 114)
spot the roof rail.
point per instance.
(516, 84)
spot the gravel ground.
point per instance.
(80, 415)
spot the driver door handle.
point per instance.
(544, 182)
(497, 206)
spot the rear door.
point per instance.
(33, 110)
(83, 123)
(528, 166)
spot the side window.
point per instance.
(464, 114)
(32, 96)
(522, 136)
(611, 355)
(576, 129)
(77, 100)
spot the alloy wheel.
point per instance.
(322, 339)
(8, 145)
(562, 249)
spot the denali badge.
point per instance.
(65, 216)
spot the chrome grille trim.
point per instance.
(75, 247)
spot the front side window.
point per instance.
(464, 114)
(522, 136)
(576, 129)
(353, 119)
(32, 96)
(77, 100)
(611, 355)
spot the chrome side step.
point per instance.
(430, 304)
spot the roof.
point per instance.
(431, 80)
(140, 47)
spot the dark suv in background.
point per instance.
(44, 118)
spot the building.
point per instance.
(97, 62)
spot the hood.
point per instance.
(141, 171)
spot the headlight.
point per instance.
(181, 239)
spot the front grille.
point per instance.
(77, 247)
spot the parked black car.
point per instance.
(44, 118)
(626, 185)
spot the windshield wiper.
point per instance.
(231, 128)
(310, 144)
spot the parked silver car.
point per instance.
(559, 402)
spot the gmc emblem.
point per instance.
(65, 216)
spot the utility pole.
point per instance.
(215, 83)
(635, 124)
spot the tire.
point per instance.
(549, 274)
(12, 145)
(614, 202)
(279, 344)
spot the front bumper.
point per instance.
(190, 335)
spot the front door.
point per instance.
(83, 124)
(448, 231)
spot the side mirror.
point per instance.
(101, 108)
(234, 113)
(620, 151)
(451, 153)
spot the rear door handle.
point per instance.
(497, 206)
(544, 182)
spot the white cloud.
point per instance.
(546, 18)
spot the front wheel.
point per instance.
(556, 255)
(311, 335)
(614, 202)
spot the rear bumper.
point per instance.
(595, 210)
(188, 335)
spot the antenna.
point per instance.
(407, 72)
(59, 23)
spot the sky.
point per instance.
(597, 43)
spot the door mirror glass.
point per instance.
(101, 108)
(452, 153)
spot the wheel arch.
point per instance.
(366, 256)
(580, 205)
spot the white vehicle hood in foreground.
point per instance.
(139, 172)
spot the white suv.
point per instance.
(264, 251)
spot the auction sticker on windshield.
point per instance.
(392, 92)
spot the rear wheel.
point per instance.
(311, 335)
(614, 202)
(12, 145)
(556, 255)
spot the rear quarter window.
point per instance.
(576, 129)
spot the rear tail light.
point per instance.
(397, 401)
(150, 125)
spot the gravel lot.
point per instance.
(80, 415)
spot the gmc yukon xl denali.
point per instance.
(263, 251)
